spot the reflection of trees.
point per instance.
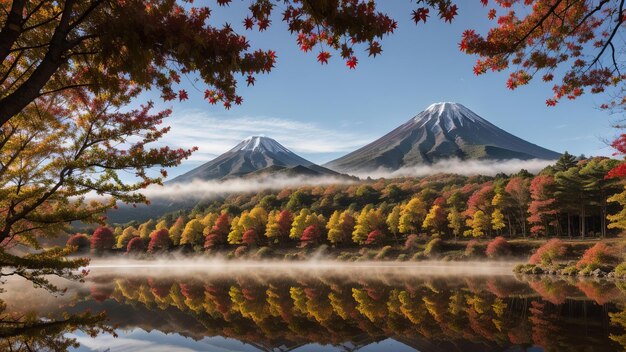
(32, 333)
(489, 314)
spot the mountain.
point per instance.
(442, 131)
(255, 155)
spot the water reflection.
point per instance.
(373, 310)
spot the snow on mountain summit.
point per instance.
(442, 131)
(260, 143)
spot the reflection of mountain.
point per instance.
(285, 313)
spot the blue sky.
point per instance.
(324, 111)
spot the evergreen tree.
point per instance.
(565, 162)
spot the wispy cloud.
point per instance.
(462, 167)
(212, 188)
(214, 134)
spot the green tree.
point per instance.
(565, 162)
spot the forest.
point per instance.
(572, 198)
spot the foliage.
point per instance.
(472, 248)
(412, 216)
(137, 245)
(193, 233)
(599, 255)
(550, 251)
(433, 247)
(79, 240)
(411, 243)
(102, 239)
(250, 237)
(375, 238)
(498, 247)
(159, 241)
(127, 234)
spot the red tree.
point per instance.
(311, 235)
(79, 240)
(159, 241)
(542, 204)
(136, 245)
(499, 247)
(102, 239)
(284, 220)
(221, 226)
(480, 199)
(250, 237)
(375, 237)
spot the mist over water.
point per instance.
(185, 265)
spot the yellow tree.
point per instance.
(497, 220)
(193, 233)
(146, 229)
(412, 216)
(479, 223)
(128, 234)
(455, 222)
(393, 221)
(299, 224)
(177, 230)
(236, 231)
(161, 225)
(435, 219)
(369, 219)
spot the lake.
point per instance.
(323, 306)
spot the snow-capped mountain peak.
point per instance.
(442, 131)
(259, 144)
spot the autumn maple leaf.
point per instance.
(448, 14)
(182, 95)
(374, 49)
(351, 63)
(248, 23)
(420, 15)
(323, 57)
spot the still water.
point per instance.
(430, 308)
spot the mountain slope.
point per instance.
(442, 131)
(250, 156)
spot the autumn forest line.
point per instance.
(570, 198)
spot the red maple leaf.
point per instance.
(248, 23)
(420, 15)
(449, 13)
(351, 63)
(374, 49)
(323, 57)
(182, 95)
(250, 80)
